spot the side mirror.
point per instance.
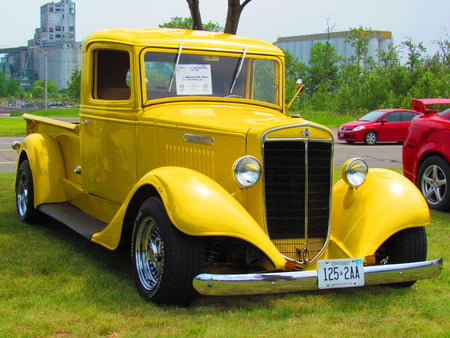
(300, 87)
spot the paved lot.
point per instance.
(7, 155)
(379, 156)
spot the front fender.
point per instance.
(363, 219)
(47, 167)
(198, 206)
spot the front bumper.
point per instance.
(295, 281)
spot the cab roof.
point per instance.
(171, 38)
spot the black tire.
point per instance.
(433, 180)
(406, 246)
(370, 138)
(25, 194)
(164, 260)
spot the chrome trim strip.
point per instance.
(295, 281)
(201, 139)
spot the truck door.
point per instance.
(107, 118)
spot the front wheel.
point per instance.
(406, 246)
(433, 180)
(371, 138)
(164, 260)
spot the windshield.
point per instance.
(372, 116)
(184, 74)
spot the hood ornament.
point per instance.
(306, 132)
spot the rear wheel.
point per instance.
(164, 260)
(406, 246)
(371, 137)
(25, 194)
(433, 180)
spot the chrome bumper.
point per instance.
(294, 281)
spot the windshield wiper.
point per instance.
(180, 49)
(238, 71)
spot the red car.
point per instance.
(382, 125)
(426, 157)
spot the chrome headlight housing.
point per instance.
(247, 171)
(354, 172)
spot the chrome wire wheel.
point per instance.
(149, 253)
(25, 194)
(434, 184)
(22, 194)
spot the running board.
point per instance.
(74, 218)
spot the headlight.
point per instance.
(358, 128)
(247, 171)
(354, 172)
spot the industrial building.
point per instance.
(300, 46)
(52, 54)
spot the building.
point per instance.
(53, 53)
(300, 46)
(57, 24)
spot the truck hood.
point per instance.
(231, 118)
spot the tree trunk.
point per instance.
(195, 14)
(233, 15)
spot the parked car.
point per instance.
(381, 125)
(426, 157)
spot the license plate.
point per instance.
(340, 273)
(341, 135)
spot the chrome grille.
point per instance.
(297, 178)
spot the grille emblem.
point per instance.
(306, 132)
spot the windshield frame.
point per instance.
(250, 59)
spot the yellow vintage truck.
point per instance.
(184, 151)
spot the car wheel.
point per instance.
(164, 260)
(433, 180)
(406, 246)
(25, 194)
(371, 137)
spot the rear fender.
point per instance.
(197, 206)
(364, 218)
(47, 167)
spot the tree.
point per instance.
(186, 23)
(323, 65)
(235, 8)
(415, 54)
(358, 39)
(14, 87)
(74, 85)
(3, 85)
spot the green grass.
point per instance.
(55, 283)
(12, 126)
(16, 126)
(61, 112)
(331, 120)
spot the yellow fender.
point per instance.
(47, 167)
(364, 218)
(197, 206)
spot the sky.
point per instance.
(419, 20)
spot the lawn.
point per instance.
(15, 125)
(55, 283)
